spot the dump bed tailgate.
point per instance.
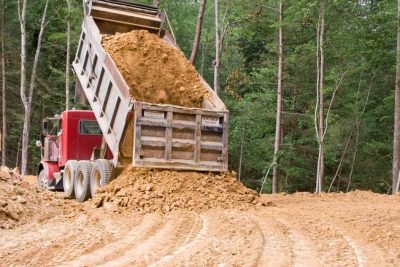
(180, 138)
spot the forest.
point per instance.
(310, 84)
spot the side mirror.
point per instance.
(38, 144)
(45, 127)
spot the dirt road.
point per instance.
(356, 229)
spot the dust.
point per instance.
(155, 71)
(148, 191)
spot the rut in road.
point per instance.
(284, 246)
(285, 234)
(227, 238)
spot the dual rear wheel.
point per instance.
(81, 179)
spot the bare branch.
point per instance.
(37, 53)
(331, 102)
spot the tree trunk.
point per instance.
(319, 109)
(4, 102)
(339, 168)
(156, 3)
(278, 126)
(217, 49)
(241, 156)
(68, 63)
(27, 100)
(396, 141)
(22, 20)
(199, 27)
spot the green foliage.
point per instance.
(360, 41)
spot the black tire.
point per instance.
(69, 174)
(43, 180)
(100, 175)
(82, 181)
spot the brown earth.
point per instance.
(147, 191)
(155, 71)
(22, 202)
(354, 229)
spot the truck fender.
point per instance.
(49, 169)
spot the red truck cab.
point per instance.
(73, 135)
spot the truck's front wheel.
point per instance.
(100, 176)
(42, 180)
(82, 181)
(69, 174)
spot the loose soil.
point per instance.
(354, 229)
(155, 71)
(147, 191)
(22, 202)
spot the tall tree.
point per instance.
(156, 3)
(199, 29)
(4, 102)
(68, 61)
(27, 99)
(396, 141)
(319, 108)
(278, 127)
(217, 61)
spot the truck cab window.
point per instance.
(89, 128)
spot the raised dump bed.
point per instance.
(139, 133)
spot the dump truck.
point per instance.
(126, 131)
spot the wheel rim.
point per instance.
(43, 181)
(79, 184)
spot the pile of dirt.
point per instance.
(155, 71)
(22, 202)
(148, 191)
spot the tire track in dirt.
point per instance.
(60, 240)
(138, 233)
(197, 232)
(225, 239)
(276, 249)
(330, 246)
(33, 241)
(174, 233)
(284, 246)
(358, 252)
(96, 236)
(365, 254)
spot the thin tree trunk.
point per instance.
(319, 119)
(278, 126)
(341, 160)
(199, 28)
(316, 112)
(357, 127)
(203, 58)
(68, 63)
(396, 141)
(321, 102)
(4, 102)
(27, 100)
(217, 49)
(156, 3)
(18, 150)
(241, 156)
(22, 20)
(353, 161)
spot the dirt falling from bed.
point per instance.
(155, 71)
